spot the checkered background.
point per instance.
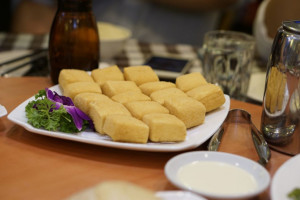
(134, 52)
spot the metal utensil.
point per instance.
(237, 116)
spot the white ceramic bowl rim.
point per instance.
(260, 174)
(127, 33)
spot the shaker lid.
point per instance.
(292, 25)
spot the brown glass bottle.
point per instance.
(74, 40)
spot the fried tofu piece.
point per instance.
(100, 110)
(112, 73)
(187, 109)
(124, 128)
(73, 89)
(67, 76)
(210, 95)
(112, 88)
(190, 81)
(83, 100)
(130, 96)
(165, 128)
(140, 74)
(169, 93)
(148, 88)
(140, 108)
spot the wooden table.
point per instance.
(40, 167)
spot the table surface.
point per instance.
(33, 166)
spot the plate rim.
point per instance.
(167, 194)
(150, 147)
(282, 169)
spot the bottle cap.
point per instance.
(293, 26)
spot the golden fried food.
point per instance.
(130, 96)
(165, 127)
(187, 82)
(124, 128)
(148, 88)
(73, 89)
(210, 95)
(140, 74)
(140, 108)
(67, 76)
(100, 110)
(83, 100)
(169, 93)
(187, 109)
(112, 73)
(111, 88)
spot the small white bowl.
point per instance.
(112, 39)
(258, 172)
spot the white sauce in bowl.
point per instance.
(216, 177)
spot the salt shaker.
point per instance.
(74, 39)
(280, 122)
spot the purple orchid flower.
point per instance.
(77, 115)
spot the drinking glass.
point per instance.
(227, 61)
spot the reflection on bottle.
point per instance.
(295, 105)
(281, 113)
(275, 91)
(276, 124)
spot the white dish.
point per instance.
(195, 136)
(286, 179)
(260, 174)
(178, 195)
(3, 111)
(112, 39)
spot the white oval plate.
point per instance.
(286, 179)
(260, 174)
(195, 136)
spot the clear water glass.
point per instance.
(227, 61)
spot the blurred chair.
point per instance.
(5, 15)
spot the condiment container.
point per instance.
(280, 122)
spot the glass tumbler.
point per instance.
(227, 60)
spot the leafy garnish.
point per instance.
(295, 194)
(54, 112)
